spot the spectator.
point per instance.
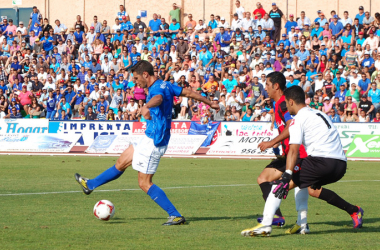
(175, 13)
(374, 96)
(276, 15)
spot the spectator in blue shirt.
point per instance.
(334, 117)
(64, 106)
(35, 17)
(292, 82)
(338, 80)
(77, 101)
(154, 25)
(303, 54)
(117, 36)
(368, 62)
(224, 39)
(364, 84)
(290, 23)
(212, 23)
(36, 28)
(316, 31)
(284, 41)
(174, 28)
(336, 27)
(47, 43)
(360, 15)
(341, 93)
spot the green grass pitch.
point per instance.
(219, 198)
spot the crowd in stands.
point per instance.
(82, 71)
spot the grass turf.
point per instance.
(211, 198)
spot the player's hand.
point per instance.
(145, 113)
(215, 106)
(282, 189)
(271, 127)
(265, 145)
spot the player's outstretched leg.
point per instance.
(159, 196)
(301, 197)
(114, 172)
(270, 174)
(332, 198)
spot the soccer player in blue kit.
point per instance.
(146, 155)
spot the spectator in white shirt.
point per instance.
(247, 22)
(59, 28)
(239, 10)
(236, 22)
(223, 23)
(346, 19)
(267, 23)
(303, 20)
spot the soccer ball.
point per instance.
(104, 210)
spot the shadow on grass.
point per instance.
(348, 222)
(117, 220)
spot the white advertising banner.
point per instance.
(178, 144)
(24, 126)
(51, 143)
(239, 145)
(101, 144)
(90, 129)
(242, 138)
(348, 130)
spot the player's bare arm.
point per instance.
(269, 144)
(292, 156)
(154, 102)
(196, 96)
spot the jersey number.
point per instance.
(324, 119)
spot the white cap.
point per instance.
(226, 26)
(323, 44)
(222, 19)
(340, 67)
(326, 98)
(140, 27)
(215, 99)
(366, 53)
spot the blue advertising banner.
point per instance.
(204, 129)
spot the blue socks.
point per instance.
(109, 175)
(276, 151)
(162, 200)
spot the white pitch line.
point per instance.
(137, 189)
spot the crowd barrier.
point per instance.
(224, 138)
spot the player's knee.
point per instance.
(313, 192)
(145, 185)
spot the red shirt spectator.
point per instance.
(259, 10)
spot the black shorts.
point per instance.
(280, 163)
(315, 172)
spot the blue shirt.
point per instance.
(286, 42)
(174, 27)
(117, 37)
(134, 57)
(48, 45)
(36, 30)
(309, 74)
(316, 31)
(336, 28)
(155, 25)
(364, 84)
(368, 62)
(158, 128)
(50, 104)
(230, 84)
(289, 25)
(66, 107)
(223, 37)
(205, 57)
(360, 17)
(335, 119)
(338, 83)
(213, 24)
(294, 83)
(341, 95)
(303, 55)
(346, 39)
(375, 95)
(78, 36)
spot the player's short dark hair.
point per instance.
(295, 93)
(142, 66)
(279, 78)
